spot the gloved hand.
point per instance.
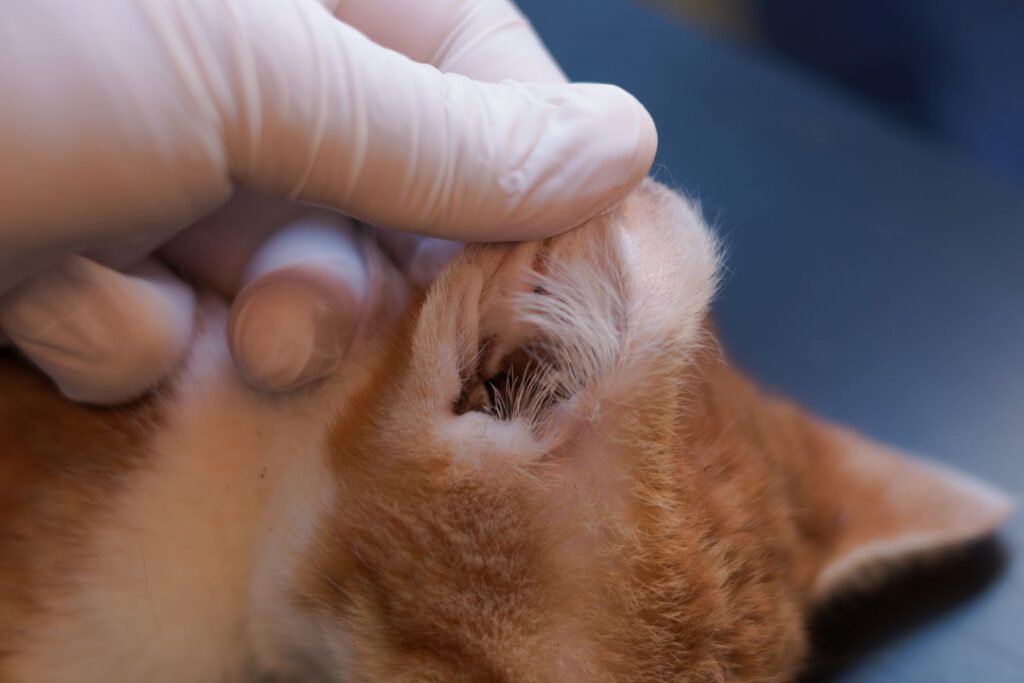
(122, 122)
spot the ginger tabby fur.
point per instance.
(542, 470)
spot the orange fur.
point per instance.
(60, 463)
(547, 472)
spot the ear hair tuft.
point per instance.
(576, 316)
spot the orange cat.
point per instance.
(543, 471)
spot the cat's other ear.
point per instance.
(873, 509)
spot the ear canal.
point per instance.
(882, 508)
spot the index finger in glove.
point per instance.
(399, 144)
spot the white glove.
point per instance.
(124, 121)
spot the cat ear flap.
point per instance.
(875, 509)
(532, 341)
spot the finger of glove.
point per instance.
(302, 299)
(488, 40)
(104, 337)
(342, 121)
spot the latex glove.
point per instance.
(124, 121)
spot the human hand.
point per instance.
(125, 121)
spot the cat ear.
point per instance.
(874, 509)
(511, 340)
(533, 339)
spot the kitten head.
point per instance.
(555, 476)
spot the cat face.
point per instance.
(554, 475)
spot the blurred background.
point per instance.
(950, 70)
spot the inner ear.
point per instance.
(501, 384)
(515, 365)
(550, 329)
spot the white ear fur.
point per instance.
(893, 509)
